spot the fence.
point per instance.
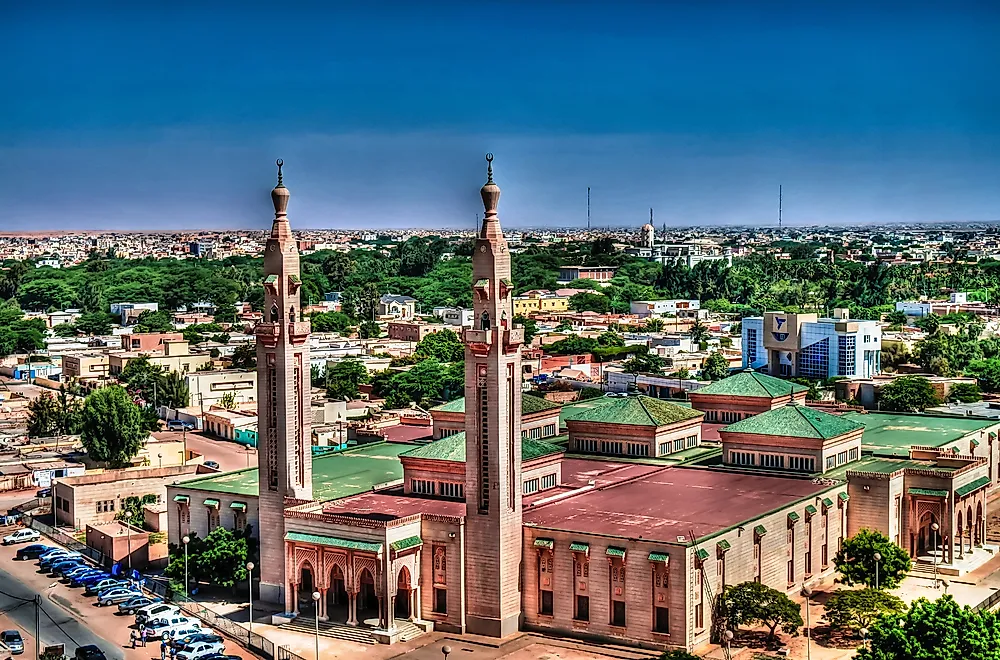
(70, 542)
(252, 641)
(988, 604)
(284, 653)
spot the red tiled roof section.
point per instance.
(671, 502)
(398, 506)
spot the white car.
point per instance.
(116, 595)
(201, 650)
(168, 624)
(155, 611)
(183, 630)
(21, 536)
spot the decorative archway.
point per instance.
(337, 600)
(927, 539)
(403, 607)
(367, 599)
(307, 584)
(969, 525)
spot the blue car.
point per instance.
(79, 570)
(32, 551)
(54, 558)
(88, 577)
(101, 585)
(64, 567)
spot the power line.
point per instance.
(76, 643)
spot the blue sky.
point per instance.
(170, 115)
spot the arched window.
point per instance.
(484, 321)
(274, 313)
(291, 313)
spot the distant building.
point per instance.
(145, 342)
(200, 249)
(129, 312)
(803, 345)
(398, 307)
(85, 366)
(208, 387)
(412, 330)
(597, 273)
(456, 316)
(646, 308)
(539, 302)
(51, 263)
(176, 356)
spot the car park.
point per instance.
(130, 606)
(155, 611)
(21, 536)
(99, 586)
(89, 577)
(201, 650)
(11, 640)
(116, 595)
(89, 652)
(33, 551)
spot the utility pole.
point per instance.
(779, 207)
(588, 208)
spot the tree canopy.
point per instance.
(716, 367)
(219, 559)
(907, 394)
(443, 345)
(755, 603)
(113, 427)
(856, 560)
(344, 378)
(857, 609)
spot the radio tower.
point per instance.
(588, 208)
(779, 207)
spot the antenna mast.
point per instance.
(779, 206)
(588, 208)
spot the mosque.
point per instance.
(616, 518)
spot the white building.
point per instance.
(456, 316)
(398, 307)
(645, 308)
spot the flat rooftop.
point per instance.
(335, 474)
(900, 431)
(394, 505)
(671, 502)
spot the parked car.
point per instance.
(155, 611)
(89, 652)
(211, 464)
(178, 425)
(91, 576)
(82, 569)
(21, 536)
(167, 624)
(183, 630)
(99, 586)
(33, 551)
(200, 650)
(44, 492)
(180, 641)
(50, 555)
(116, 595)
(49, 560)
(130, 606)
(12, 517)
(11, 640)
(64, 565)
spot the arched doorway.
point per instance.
(337, 606)
(961, 538)
(980, 525)
(402, 608)
(927, 538)
(368, 606)
(307, 585)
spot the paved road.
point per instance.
(74, 631)
(229, 455)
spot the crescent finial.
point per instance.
(279, 163)
(489, 168)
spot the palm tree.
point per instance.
(699, 331)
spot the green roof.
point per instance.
(793, 517)
(576, 546)
(659, 556)
(335, 474)
(182, 498)
(827, 502)
(637, 411)
(529, 404)
(452, 448)
(843, 497)
(901, 431)
(211, 501)
(615, 552)
(405, 544)
(930, 492)
(752, 383)
(270, 279)
(333, 542)
(723, 545)
(795, 421)
(701, 554)
(545, 543)
(972, 486)
(811, 510)
(760, 530)
(240, 506)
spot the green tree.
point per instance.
(344, 378)
(965, 393)
(113, 427)
(131, 509)
(896, 318)
(225, 313)
(428, 381)
(654, 324)
(716, 367)
(369, 330)
(331, 322)
(590, 302)
(699, 331)
(172, 390)
(95, 323)
(754, 603)
(69, 411)
(857, 609)
(644, 363)
(142, 378)
(589, 393)
(228, 401)
(43, 416)
(443, 345)
(856, 560)
(65, 330)
(907, 394)
(530, 328)
(18, 334)
(609, 338)
(677, 654)
(158, 321)
(219, 559)
(934, 630)
(573, 345)
(244, 357)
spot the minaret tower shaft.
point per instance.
(284, 434)
(493, 434)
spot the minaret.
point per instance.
(493, 434)
(284, 436)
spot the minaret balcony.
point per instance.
(268, 333)
(298, 331)
(512, 339)
(478, 341)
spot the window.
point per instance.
(802, 463)
(548, 430)
(831, 462)
(586, 445)
(440, 600)
(730, 416)
(549, 481)
(618, 614)
(741, 458)
(814, 359)
(842, 458)
(679, 444)
(868, 339)
(612, 447)
(582, 607)
(852, 455)
(239, 521)
(545, 583)
(530, 486)
(664, 448)
(545, 604)
(699, 615)
(484, 443)
(661, 623)
(532, 434)
(691, 441)
(421, 487)
(638, 449)
(451, 490)
(751, 347)
(756, 559)
(846, 355)
(772, 461)
(213, 519)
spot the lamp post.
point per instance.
(250, 590)
(315, 597)
(864, 637)
(445, 651)
(934, 530)
(807, 592)
(727, 638)
(878, 558)
(187, 590)
(944, 583)
(160, 456)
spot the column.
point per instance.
(961, 542)
(415, 608)
(289, 597)
(352, 608)
(321, 606)
(295, 598)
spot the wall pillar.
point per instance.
(321, 606)
(295, 598)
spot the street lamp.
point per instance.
(727, 638)
(807, 592)
(934, 529)
(160, 456)
(878, 558)
(250, 589)
(864, 637)
(944, 583)
(316, 598)
(187, 589)
(445, 650)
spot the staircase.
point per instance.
(333, 629)
(408, 630)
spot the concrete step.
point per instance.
(408, 630)
(331, 629)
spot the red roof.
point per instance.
(396, 506)
(671, 502)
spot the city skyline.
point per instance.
(864, 116)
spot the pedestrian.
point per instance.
(131, 637)
(143, 636)
(173, 652)
(163, 650)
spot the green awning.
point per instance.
(975, 443)
(295, 279)
(659, 557)
(576, 546)
(993, 435)
(481, 284)
(760, 530)
(927, 492)
(701, 554)
(843, 497)
(723, 545)
(811, 510)
(793, 517)
(615, 552)
(827, 502)
(405, 544)
(239, 506)
(545, 543)
(211, 502)
(972, 486)
(334, 542)
(270, 279)
(183, 499)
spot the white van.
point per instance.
(155, 611)
(168, 624)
